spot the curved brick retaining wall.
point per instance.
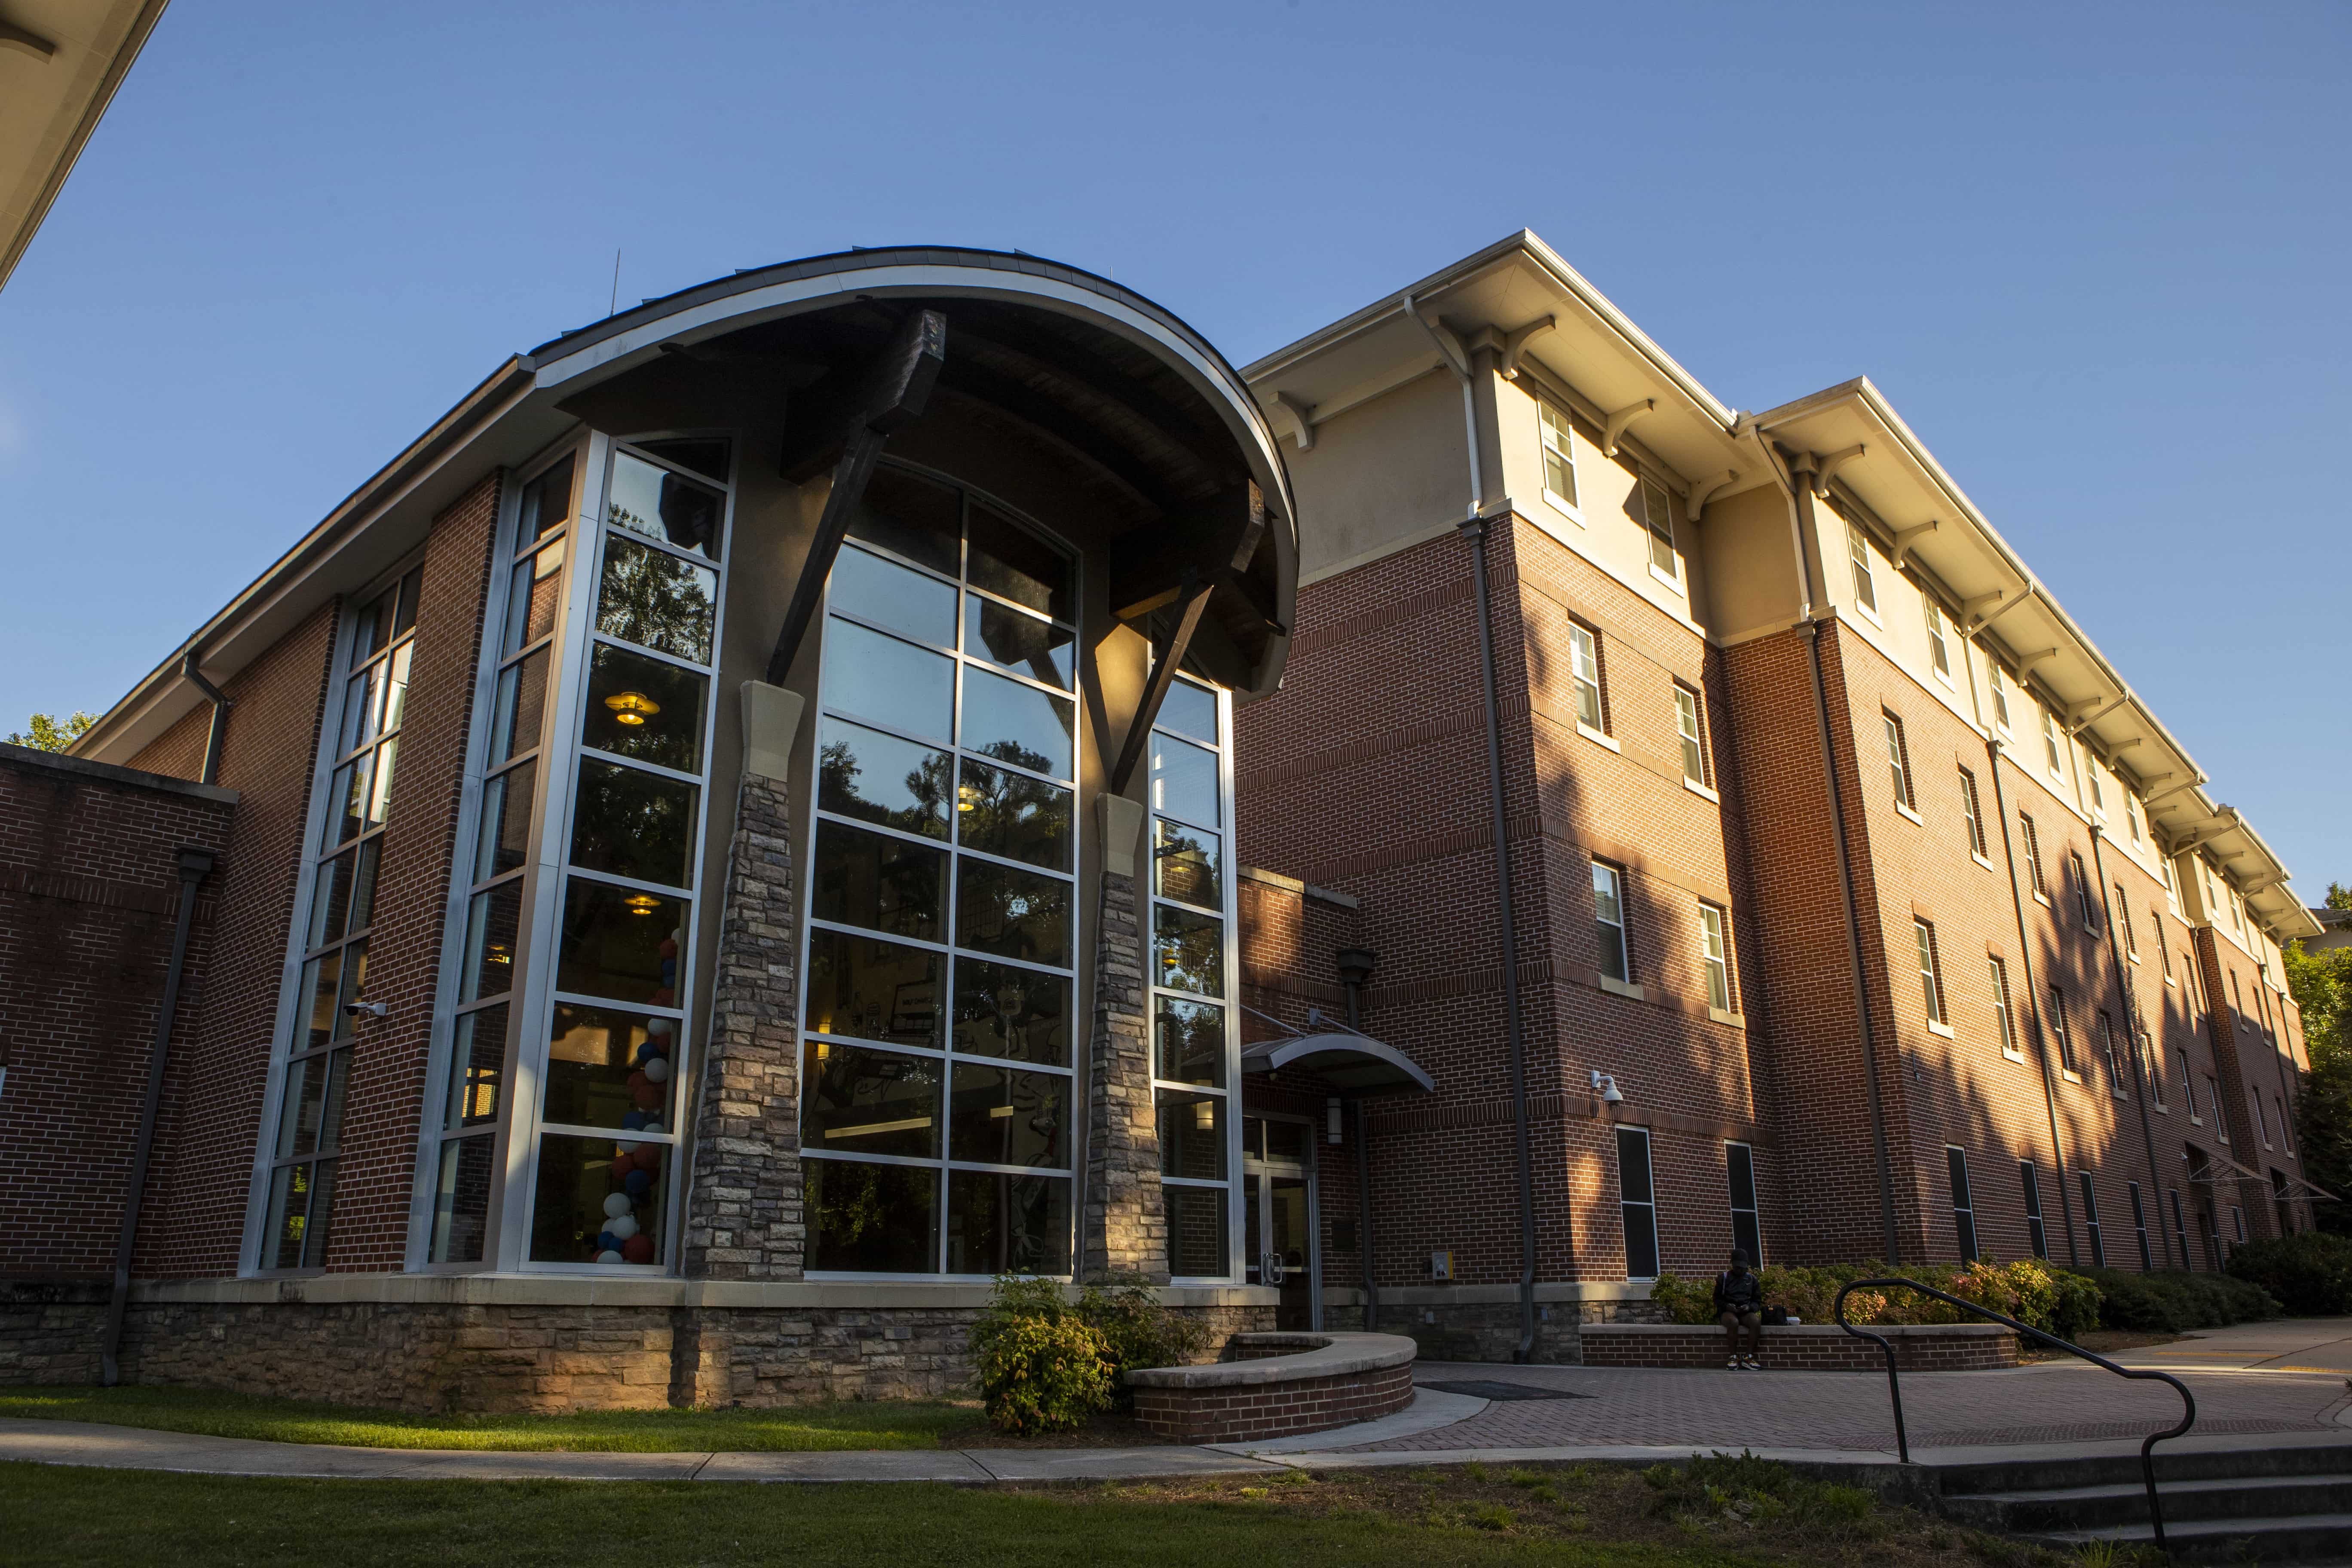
(1806, 1347)
(1274, 1386)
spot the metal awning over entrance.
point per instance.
(1354, 1064)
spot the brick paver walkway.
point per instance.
(2048, 1403)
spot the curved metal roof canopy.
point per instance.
(1354, 1062)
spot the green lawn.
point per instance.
(57, 1516)
(900, 1424)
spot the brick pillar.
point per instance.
(743, 1209)
(1126, 1225)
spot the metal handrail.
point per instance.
(1895, 1387)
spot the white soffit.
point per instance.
(60, 63)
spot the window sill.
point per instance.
(1942, 1029)
(1565, 508)
(2041, 898)
(1909, 812)
(1718, 1016)
(2159, 1109)
(2070, 1075)
(2133, 956)
(1597, 738)
(1945, 676)
(1981, 860)
(1670, 580)
(2195, 1119)
(1619, 988)
(2017, 1057)
(1867, 614)
(2168, 980)
(1701, 790)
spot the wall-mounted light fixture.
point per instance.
(1606, 1083)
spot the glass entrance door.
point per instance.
(1278, 1217)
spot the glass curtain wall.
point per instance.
(943, 930)
(615, 1028)
(379, 640)
(1191, 962)
(472, 1098)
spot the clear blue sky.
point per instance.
(2096, 254)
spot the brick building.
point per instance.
(894, 768)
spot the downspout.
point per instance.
(192, 668)
(2131, 1011)
(2032, 988)
(1888, 1235)
(195, 865)
(1355, 969)
(1454, 361)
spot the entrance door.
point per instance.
(1278, 1217)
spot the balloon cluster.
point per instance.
(636, 1166)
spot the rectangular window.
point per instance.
(2035, 1235)
(2213, 1099)
(2152, 1063)
(1690, 723)
(2113, 1051)
(1559, 456)
(2065, 1038)
(1964, 1214)
(2188, 1082)
(2050, 744)
(2131, 817)
(2139, 1230)
(2004, 1021)
(2123, 920)
(2238, 1223)
(2091, 1218)
(1974, 812)
(2156, 924)
(1609, 922)
(2262, 1118)
(1716, 950)
(1931, 984)
(1584, 660)
(2080, 880)
(1637, 1202)
(1899, 762)
(1999, 695)
(1865, 586)
(1938, 653)
(2033, 857)
(1746, 1228)
(1658, 516)
(2180, 1225)
(2098, 796)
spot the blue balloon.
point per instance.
(650, 1052)
(638, 1183)
(633, 1120)
(607, 1242)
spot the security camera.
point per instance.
(366, 1009)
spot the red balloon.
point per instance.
(664, 997)
(638, 1249)
(622, 1165)
(669, 947)
(647, 1159)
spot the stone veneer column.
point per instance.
(1126, 1225)
(743, 1208)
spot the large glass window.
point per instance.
(1637, 1202)
(937, 1062)
(1190, 985)
(614, 1034)
(379, 642)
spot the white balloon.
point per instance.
(608, 1255)
(624, 1226)
(657, 1071)
(657, 1027)
(625, 1148)
(615, 1205)
(651, 1127)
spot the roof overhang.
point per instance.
(516, 411)
(60, 63)
(1356, 1064)
(1590, 350)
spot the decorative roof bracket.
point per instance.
(1513, 342)
(2026, 665)
(1302, 419)
(1826, 467)
(2086, 714)
(1904, 537)
(1704, 490)
(1618, 421)
(2026, 596)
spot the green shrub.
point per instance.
(2170, 1302)
(2029, 1291)
(1137, 1331)
(2310, 1272)
(1041, 1374)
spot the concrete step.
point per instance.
(2125, 1503)
(2047, 1473)
(2309, 1538)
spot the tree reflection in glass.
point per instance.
(882, 779)
(1003, 1010)
(1187, 951)
(997, 1116)
(645, 708)
(1013, 914)
(858, 1101)
(1186, 863)
(652, 598)
(882, 883)
(999, 812)
(634, 824)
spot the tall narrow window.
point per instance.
(1899, 762)
(1584, 657)
(2091, 1218)
(378, 642)
(1747, 1229)
(2098, 796)
(2139, 1230)
(1609, 921)
(1931, 983)
(2152, 1063)
(1691, 726)
(1865, 586)
(2131, 817)
(936, 1099)
(2156, 924)
(1974, 812)
(1559, 456)
(2080, 880)
(2037, 1237)
(2050, 744)
(2112, 1049)
(2123, 921)
(2213, 1099)
(2262, 1118)
(1716, 951)
(613, 1039)
(1939, 653)
(1964, 1213)
(2188, 1081)
(2065, 1036)
(2033, 856)
(2180, 1226)
(1637, 1202)
(2004, 1020)
(2000, 694)
(1658, 516)
(1192, 911)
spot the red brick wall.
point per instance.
(1251, 1411)
(1804, 1348)
(90, 888)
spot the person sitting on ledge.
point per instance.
(1740, 1303)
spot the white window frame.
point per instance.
(1584, 671)
(1643, 1209)
(1615, 894)
(2050, 744)
(1931, 976)
(1939, 652)
(1714, 949)
(2004, 1017)
(1658, 524)
(1972, 808)
(1690, 723)
(1753, 1209)
(1866, 574)
(1898, 756)
(1556, 435)
(1999, 695)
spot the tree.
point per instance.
(2322, 987)
(50, 733)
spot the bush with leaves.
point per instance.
(2310, 1272)
(2029, 1291)
(2169, 1301)
(1041, 1368)
(1138, 1332)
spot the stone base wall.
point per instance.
(49, 1332)
(1959, 1347)
(435, 1357)
(1490, 1331)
